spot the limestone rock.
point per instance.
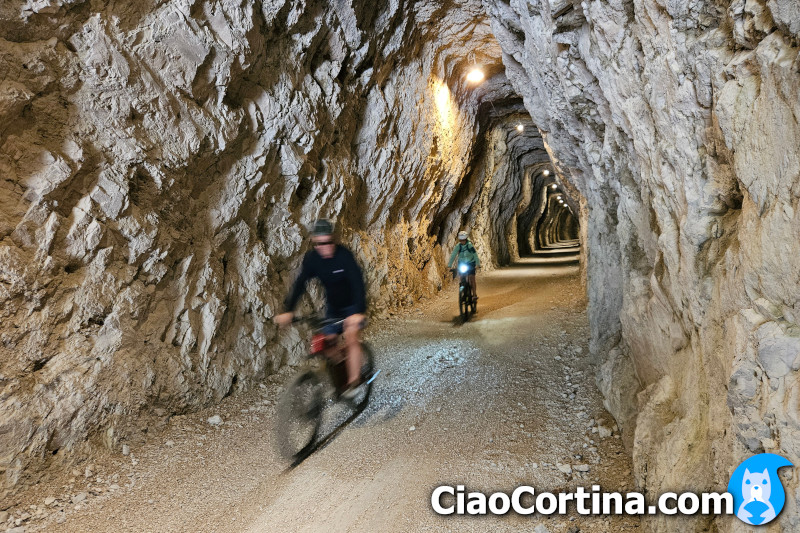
(161, 165)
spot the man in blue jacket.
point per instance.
(335, 266)
(466, 253)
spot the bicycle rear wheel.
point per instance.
(299, 416)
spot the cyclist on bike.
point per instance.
(335, 266)
(466, 253)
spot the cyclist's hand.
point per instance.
(284, 319)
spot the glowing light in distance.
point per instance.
(558, 197)
(475, 75)
(520, 128)
(553, 186)
(546, 172)
(443, 104)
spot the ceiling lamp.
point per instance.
(553, 186)
(475, 75)
(520, 128)
(546, 172)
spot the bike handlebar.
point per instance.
(315, 320)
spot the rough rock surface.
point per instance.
(160, 163)
(677, 122)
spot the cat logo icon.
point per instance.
(758, 494)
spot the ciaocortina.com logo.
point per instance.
(758, 494)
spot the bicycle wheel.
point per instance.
(299, 415)
(361, 399)
(465, 299)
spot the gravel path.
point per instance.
(507, 399)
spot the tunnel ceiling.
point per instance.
(161, 162)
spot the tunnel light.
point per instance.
(475, 75)
(553, 186)
(547, 173)
(520, 128)
(558, 197)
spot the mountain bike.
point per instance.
(317, 387)
(466, 303)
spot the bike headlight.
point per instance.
(463, 268)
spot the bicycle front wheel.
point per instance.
(463, 302)
(299, 416)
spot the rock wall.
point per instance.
(677, 123)
(160, 163)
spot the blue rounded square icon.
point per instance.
(758, 494)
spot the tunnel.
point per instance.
(627, 172)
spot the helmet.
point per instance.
(322, 226)
(462, 235)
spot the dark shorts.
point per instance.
(338, 315)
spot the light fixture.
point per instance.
(558, 197)
(546, 173)
(475, 76)
(520, 128)
(553, 186)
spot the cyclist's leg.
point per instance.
(332, 331)
(352, 338)
(473, 284)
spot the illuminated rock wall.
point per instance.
(677, 123)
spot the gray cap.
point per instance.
(322, 226)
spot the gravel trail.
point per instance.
(507, 399)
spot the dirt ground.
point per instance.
(507, 399)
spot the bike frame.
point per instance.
(304, 401)
(465, 287)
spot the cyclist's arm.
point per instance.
(299, 286)
(356, 279)
(452, 257)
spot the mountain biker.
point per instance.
(465, 252)
(335, 266)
